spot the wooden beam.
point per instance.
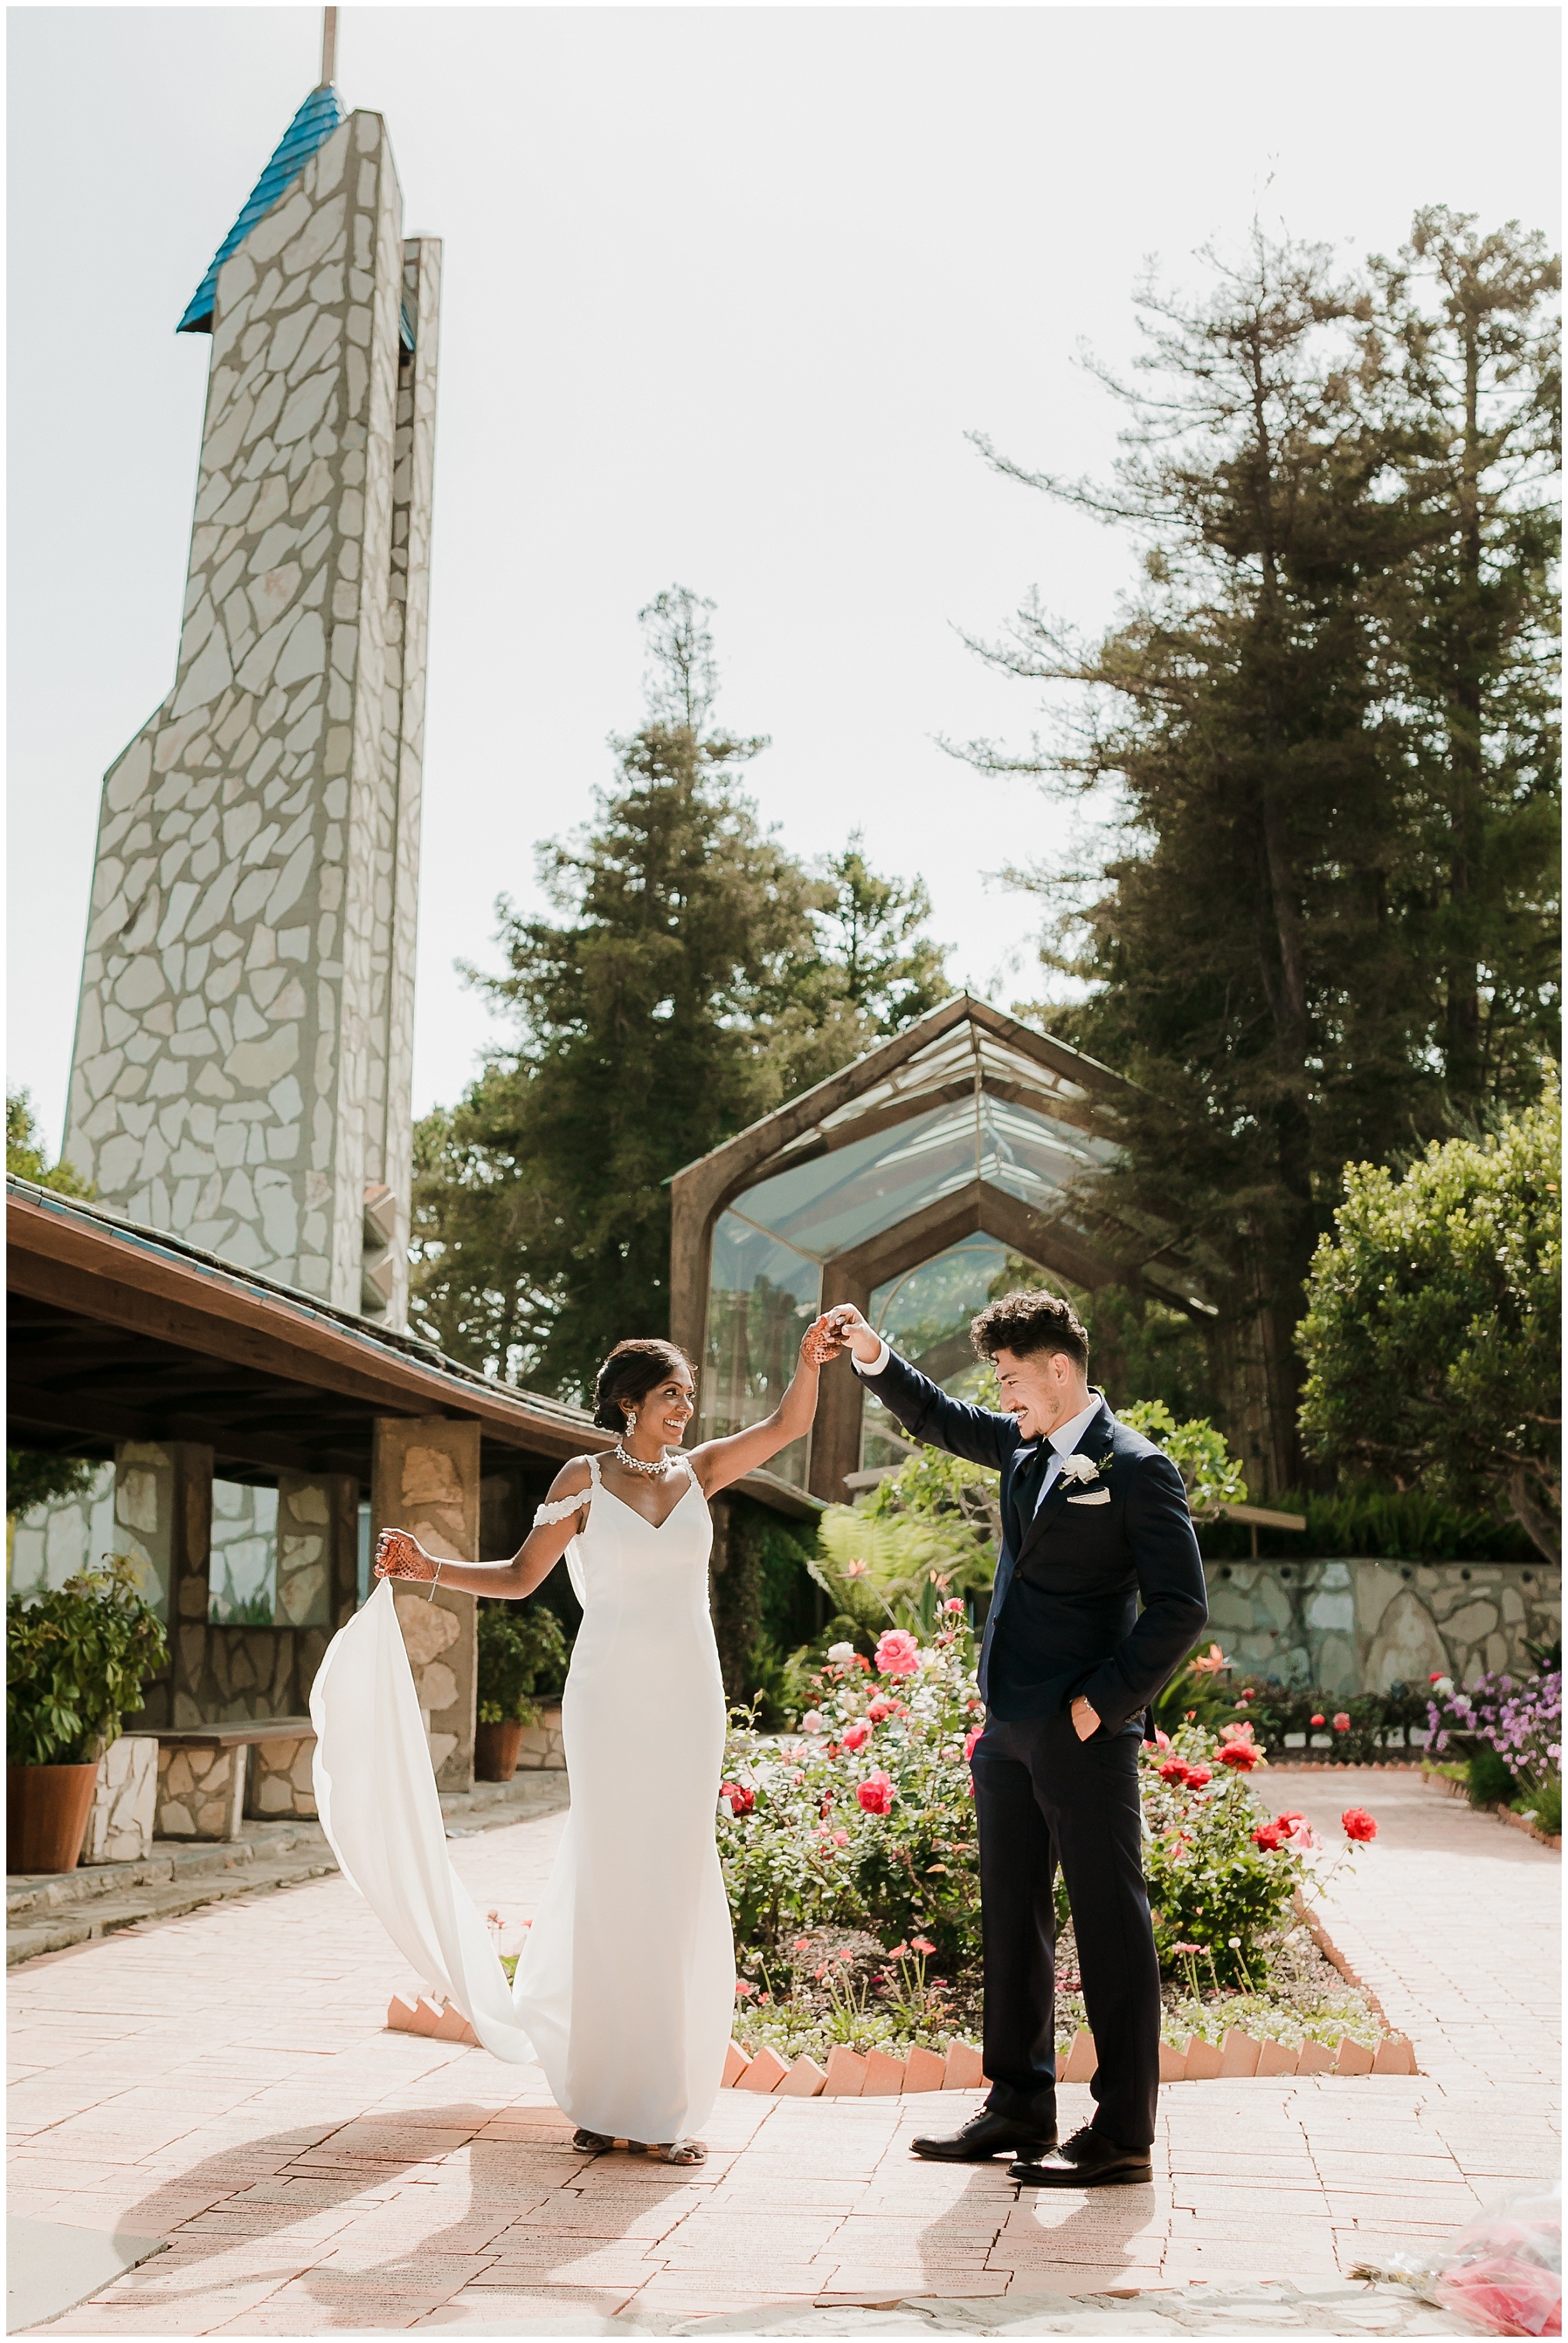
(56, 1413)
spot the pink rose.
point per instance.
(857, 1736)
(876, 1794)
(970, 1737)
(898, 1654)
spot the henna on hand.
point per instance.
(398, 1555)
(820, 1343)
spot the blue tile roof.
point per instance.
(309, 131)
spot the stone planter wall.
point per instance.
(281, 1782)
(201, 1792)
(1363, 1625)
(125, 1805)
(542, 1746)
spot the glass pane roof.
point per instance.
(860, 1187)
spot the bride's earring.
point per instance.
(631, 1419)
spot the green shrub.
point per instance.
(75, 1662)
(1543, 1805)
(1404, 1526)
(521, 1653)
(765, 1606)
(34, 1477)
(1490, 1779)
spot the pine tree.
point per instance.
(1325, 927)
(1240, 945)
(694, 974)
(1472, 421)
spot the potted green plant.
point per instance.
(521, 1652)
(75, 1662)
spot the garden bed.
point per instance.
(1450, 1780)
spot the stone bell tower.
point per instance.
(241, 1074)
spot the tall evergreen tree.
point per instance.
(1472, 420)
(1239, 946)
(695, 972)
(1319, 730)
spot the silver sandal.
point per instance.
(682, 2151)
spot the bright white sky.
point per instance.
(725, 289)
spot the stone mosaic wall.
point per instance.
(1362, 1626)
(201, 1792)
(225, 1674)
(282, 1779)
(49, 1543)
(241, 1068)
(242, 1570)
(124, 1804)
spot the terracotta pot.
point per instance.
(46, 1811)
(496, 1749)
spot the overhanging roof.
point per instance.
(118, 1332)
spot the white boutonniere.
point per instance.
(1079, 1468)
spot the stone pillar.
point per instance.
(163, 1517)
(317, 1539)
(425, 1478)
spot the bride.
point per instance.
(625, 1992)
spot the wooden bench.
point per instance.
(208, 1782)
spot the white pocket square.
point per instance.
(1095, 1497)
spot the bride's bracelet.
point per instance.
(434, 1582)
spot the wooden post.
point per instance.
(329, 47)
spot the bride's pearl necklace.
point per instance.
(654, 1471)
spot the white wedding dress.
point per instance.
(625, 1993)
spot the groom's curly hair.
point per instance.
(1026, 1322)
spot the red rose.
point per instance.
(876, 1794)
(1320, 1720)
(880, 1709)
(1270, 1836)
(739, 1799)
(1240, 1753)
(1358, 1824)
(1198, 1777)
(1173, 1770)
(1342, 1722)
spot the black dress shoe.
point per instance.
(1088, 2160)
(985, 2136)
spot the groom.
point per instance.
(1094, 1520)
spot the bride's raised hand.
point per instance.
(820, 1342)
(398, 1555)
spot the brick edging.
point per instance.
(1452, 1789)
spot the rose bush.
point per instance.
(1220, 1871)
(864, 1819)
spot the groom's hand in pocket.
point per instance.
(1085, 1721)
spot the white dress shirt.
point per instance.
(1061, 1441)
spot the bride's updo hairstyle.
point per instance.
(629, 1373)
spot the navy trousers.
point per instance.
(1044, 1798)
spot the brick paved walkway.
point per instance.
(226, 2081)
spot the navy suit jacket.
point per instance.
(1064, 1613)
